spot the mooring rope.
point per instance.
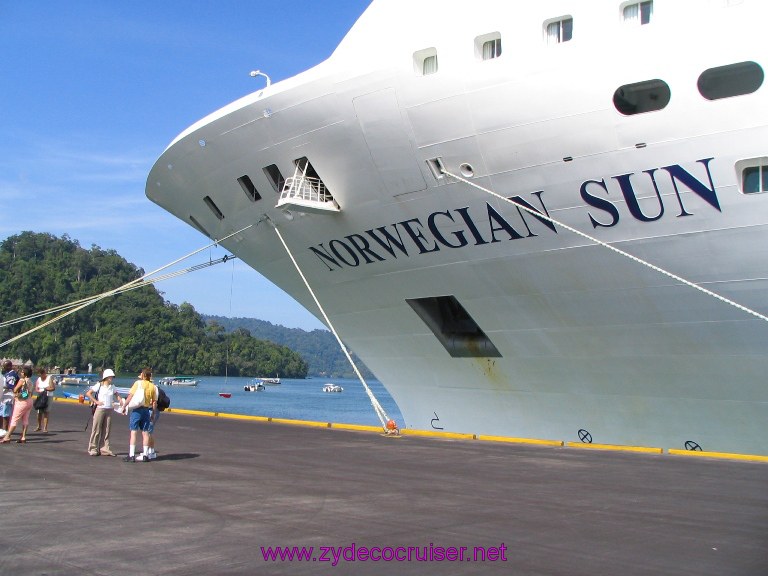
(610, 247)
(380, 412)
(133, 284)
(121, 290)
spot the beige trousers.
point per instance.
(102, 421)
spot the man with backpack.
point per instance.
(163, 402)
(142, 403)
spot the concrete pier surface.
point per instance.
(223, 491)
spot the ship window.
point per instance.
(454, 327)
(753, 175)
(558, 30)
(730, 80)
(199, 226)
(488, 46)
(425, 61)
(250, 190)
(638, 13)
(275, 178)
(641, 97)
(215, 209)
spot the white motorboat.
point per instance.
(179, 381)
(255, 386)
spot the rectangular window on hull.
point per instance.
(454, 327)
(638, 13)
(275, 178)
(425, 62)
(199, 226)
(754, 179)
(250, 190)
(215, 209)
(558, 31)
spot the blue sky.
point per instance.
(92, 92)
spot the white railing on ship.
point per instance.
(305, 188)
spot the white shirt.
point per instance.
(106, 395)
(41, 385)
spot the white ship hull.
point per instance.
(579, 343)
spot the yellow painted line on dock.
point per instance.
(721, 455)
(615, 447)
(511, 440)
(460, 436)
(191, 412)
(244, 417)
(437, 434)
(310, 423)
(359, 427)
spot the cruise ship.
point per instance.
(537, 220)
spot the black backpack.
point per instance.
(163, 400)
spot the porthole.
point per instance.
(642, 97)
(731, 80)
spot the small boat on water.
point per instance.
(255, 385)
(225, 394)
(179, 381)
(76, 379)
(332, 388)
(270, 381)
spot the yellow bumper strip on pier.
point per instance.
(437, 434)
(723, 455)
(615, 447)
(359, 427)
(461, 436)
(520, 440)
(311, 423)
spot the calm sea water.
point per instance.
(295, 399)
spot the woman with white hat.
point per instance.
(103, 396)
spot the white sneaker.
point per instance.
(141, 458)
(152, 456)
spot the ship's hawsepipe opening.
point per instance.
(456, 330)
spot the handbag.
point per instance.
(95, 405)
(41, 402)
(137, 400)
(24, 392)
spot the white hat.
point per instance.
(107, 373)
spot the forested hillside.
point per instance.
(124, 332)
(318, 347)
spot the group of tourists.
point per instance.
(20, 397)
(141, 406)
(17, 400)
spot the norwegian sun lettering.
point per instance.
(417, 236)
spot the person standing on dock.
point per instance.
(44, 385)
(104, 396)
(151, 454)
(142, 397)
(10, 378)
(22, 406)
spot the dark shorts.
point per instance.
(140, 419)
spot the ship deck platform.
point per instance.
(223, 490)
